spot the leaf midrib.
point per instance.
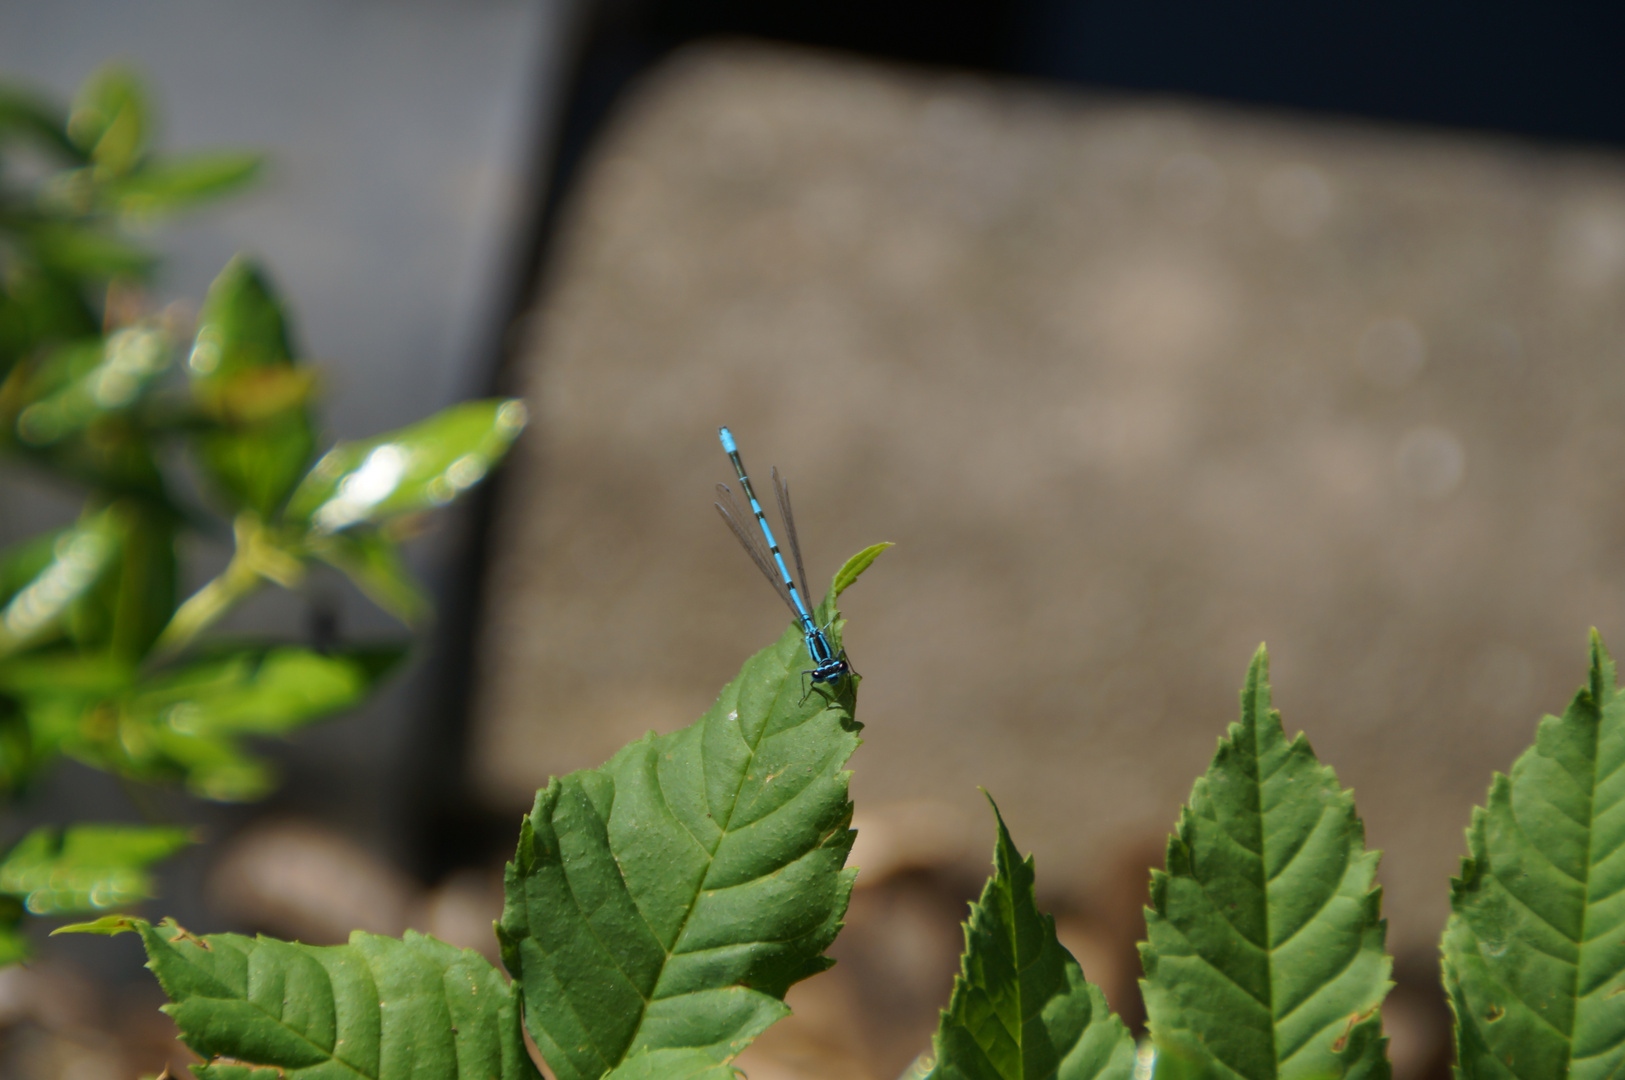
(1261, 709)
(710, 864)
(330, 1055)
(1600, 705)
(1017, 1036)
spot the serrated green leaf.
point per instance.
(419, 467)
(854, 568)
(228, 1071)
(161, 187)
(242, 345)
(86, 868)
(1534, 960)
(1021, 1007)
(78, 557)
(378, 1008)
(374, 563)
(1264, 958)
(668, 900)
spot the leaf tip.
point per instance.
(854, 568)
(1602, 669)
(1005, 841)
(512, 415)
(107, 925)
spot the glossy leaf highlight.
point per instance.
(48, 577)
(417, 468)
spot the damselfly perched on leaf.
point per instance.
(828, 664)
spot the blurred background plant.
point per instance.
(170, 425)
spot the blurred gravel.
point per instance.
(1133, 384)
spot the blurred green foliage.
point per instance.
(170, 425)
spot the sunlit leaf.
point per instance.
(111, 376)
(187, 724)
(377, 1008)
(49, 414)
(78, 557)
(22, 563)
(1534, 957)
(673, 1065)
(416, 468)
(86, 868)
(241, 326)
(111, 120)
(855, 566)
(374, 563)
(1264, 958)
(667, 900)
(258, 395)
(1021, 1006)
(242, 340)
(46, 373)
(264, 691)
(174, 183)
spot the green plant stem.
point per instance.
(257, 559)
(205, 607)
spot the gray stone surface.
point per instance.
(1133, 384)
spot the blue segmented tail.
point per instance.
(828, 665)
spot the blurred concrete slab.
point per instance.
(1134, 385)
